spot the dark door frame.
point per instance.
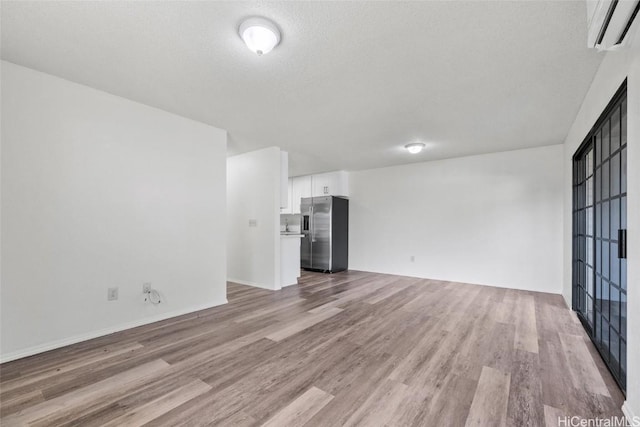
(589, 144)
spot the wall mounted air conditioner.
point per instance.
(611, 22)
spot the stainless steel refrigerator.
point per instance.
(325, 229)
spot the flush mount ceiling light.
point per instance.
(414, 148)
(260, 35)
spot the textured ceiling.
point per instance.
(349, 85)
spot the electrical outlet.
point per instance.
(253, 223)
(112, 294)
(146, 288)
(412, 258)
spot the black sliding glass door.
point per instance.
(599, 235)
(583, 239)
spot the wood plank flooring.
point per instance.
(352, 348)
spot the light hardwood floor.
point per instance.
(351, 348)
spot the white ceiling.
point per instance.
(349, 85)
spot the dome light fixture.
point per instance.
(415, 147)
(259, 34)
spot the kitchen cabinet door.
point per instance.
(330, 184)
(321, 184)
(289, 208)
(301, 189)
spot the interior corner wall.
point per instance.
(615, 67)
(493, 219)
(98, 192)
(253, 215)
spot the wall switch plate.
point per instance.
(412, 258)
(253, 223)
(112, 294)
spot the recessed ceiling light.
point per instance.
(260, 35)
(414, 148)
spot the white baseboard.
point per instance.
(418, 275)
(629, 413)
(255, 285)
(52, 345)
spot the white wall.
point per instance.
(615, 67)
(253, 193)
(493, 219)
(97, 192)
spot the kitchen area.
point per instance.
(314, 226)
(278, 225)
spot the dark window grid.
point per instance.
(606, 141)
(614, 283)
(606, 239)
(617, 196)
(605, 280)
(611, 156)
(607, 125)
(613, 334)
(605, 137)
(617, 328)
(603, 342)
(608, 200)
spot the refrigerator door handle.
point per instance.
(311, 225)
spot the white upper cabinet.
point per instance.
(323, 184)
(331, 184)
(290, 204)
(320, 184)
(301, 188)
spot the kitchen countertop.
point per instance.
(291, 234)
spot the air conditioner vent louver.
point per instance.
(634, 14)
(610, 22)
